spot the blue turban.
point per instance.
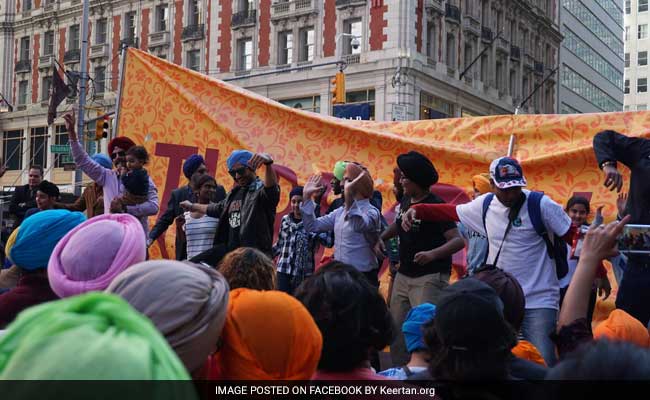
(103, 160)
(38, 236)
(239, 157)
(192, 163)
(412, 327)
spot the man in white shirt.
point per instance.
(519, 250)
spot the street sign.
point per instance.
(66, 159)
(60, 149)
(399, 112)
(70, 167)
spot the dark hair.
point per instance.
(247, 267)
(350, 313)
(198, 180)
(38, 167)
(578, 200)
(139, 152)
(49, 189)
(604, 360)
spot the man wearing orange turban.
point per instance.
(269, 335)
(621, 326)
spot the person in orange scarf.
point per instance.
(269, 335)
(621, 326)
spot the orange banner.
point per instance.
(176, 112)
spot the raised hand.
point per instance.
(312, 186)
(70, 121)
(613, 178)
(258, 159)
(353, 188)
(601, 242)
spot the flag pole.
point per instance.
(83, 79)
(120, 84)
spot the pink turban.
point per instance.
(90, 256)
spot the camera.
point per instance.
(355, 43)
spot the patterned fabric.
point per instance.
(296, 248)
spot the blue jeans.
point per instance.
(538, 324)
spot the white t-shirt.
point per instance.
(199, 233)
(524, 254)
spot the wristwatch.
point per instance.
(607, 163)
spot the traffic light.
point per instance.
(101, 129)
(338, 88)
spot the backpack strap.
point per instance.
(407, 371)
(535, 214)
(486, 205)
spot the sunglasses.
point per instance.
(118, 154)
(235, 172)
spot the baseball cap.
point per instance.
(469, 317)
(506, 172)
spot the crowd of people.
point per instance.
(235, 305)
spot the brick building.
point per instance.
(404, 58)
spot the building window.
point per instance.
(627, 86)
(499, 72)
(100, 31)
(594, 24)
(593, 58)
(73, 38)
(24, 48)
(306, 103)
(588, 91)
(13, 149)
(194, 60)
(46, 86)
(129, 25)
(641, 107)
(352, 27)
(61, 138)
(626, 108)
(628, 6)
(643, 31)
(431, 40)
(432, 107)
(627, 33)
(22, 92)
(246, 5)
(285, 48)
(307, 44)
(513, 83)
(38, 146)
(642, 85)
(162, 18)
(194, 13)
(451, 50)
(48, 43)
(642, 58)
(100, 79)
(643, 5)
(27, 5)
(245, 54)
(468, 56)
(362, 96)
(627, 60)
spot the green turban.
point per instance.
(339, 169)
(95, 336)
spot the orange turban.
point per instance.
(527, 351)
(621, 326)
(482, 183)
(366, 185)
(268, 335)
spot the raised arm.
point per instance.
(89, 167)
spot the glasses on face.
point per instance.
(118, 154)
(238, 171)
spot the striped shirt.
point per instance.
(199, 233)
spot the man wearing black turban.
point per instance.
(425, 253)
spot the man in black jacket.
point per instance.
(194, 164)
(247, 214)
(611, 148)
(24, 197)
